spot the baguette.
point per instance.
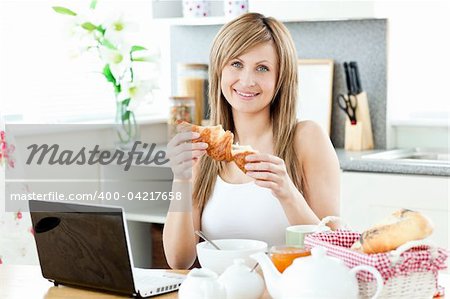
(401, 227)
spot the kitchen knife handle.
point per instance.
(354, 67)
(347, 78)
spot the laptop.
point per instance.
(88, 246)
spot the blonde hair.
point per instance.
(234, 39)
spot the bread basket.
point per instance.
(411, 271)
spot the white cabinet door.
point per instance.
(366, 198)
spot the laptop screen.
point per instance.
(83, 245)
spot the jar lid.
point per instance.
(181, 98)
(290, 250)
(193, 66)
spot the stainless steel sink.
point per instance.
(413, 155)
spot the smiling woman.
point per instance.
(294, 176)
(249, 85)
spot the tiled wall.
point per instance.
(363, 41)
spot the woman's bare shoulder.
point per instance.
(308, 126)
(308, 132)
(311, 139)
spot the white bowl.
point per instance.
(219, 260)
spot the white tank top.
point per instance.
(244, 211)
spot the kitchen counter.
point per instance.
(353, 161)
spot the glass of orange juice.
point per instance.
(282, 256)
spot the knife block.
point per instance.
(353, 136)
(359, 137)
(363, 115)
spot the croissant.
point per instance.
(239, 153)
(220, 144)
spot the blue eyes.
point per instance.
(260, 68)
(236, 64)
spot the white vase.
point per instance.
(127, 130)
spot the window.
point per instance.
(41, 79)
(418, 61)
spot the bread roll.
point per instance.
(401, 227)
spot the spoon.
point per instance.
(254, 267)
(202, 235)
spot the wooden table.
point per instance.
(17, 282)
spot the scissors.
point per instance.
(348, 103)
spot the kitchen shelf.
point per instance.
(171, 12)
(206, 21)
(148, 214)
(211, 21)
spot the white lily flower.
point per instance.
(137, 91)
(81, 39)
(118, 59)
(117, 30)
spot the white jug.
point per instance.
(240, 282)
(201, 284)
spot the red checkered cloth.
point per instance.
(417, 259)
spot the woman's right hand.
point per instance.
(183, 154)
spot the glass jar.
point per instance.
(193, 82)
(282, 256)
(181, 109)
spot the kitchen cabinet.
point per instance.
(145, 218)
(366, 198)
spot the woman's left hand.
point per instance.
(269, 171)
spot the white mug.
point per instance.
(233, 8)
(196, 8)
(295, 235)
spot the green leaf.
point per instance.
(117, 88)
(101, 29)
(93, 4)
(126, 102)
(108, 75)
(137, 48)
(143, 59)
(108, 44)
(88, 26)
(64, 11)
(126, 116)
